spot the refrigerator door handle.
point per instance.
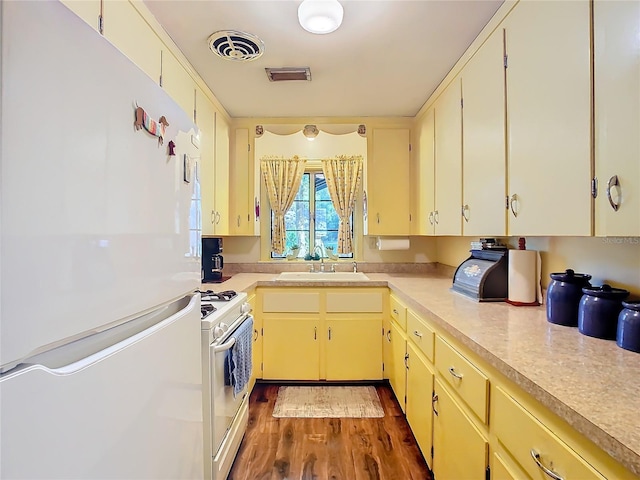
(80, 354)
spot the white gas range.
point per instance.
(227, 334)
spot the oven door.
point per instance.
(225, 405)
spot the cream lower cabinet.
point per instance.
(322, 333)
(461, 451)
(420, 377)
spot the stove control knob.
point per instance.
(246, 308)
(218, 332)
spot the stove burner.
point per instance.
(212, 296)
(206, 309)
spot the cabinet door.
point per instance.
(548, 112)
(221, 190)
(205, 120)
(387, 180)
(130, 33)
(241, 194)
(448, 138)
(290, 349)
(423, 177)
(459, 448)
(256, 347)
(484, 165)
(397, 368)
(353, 349)
(177, 82)
(419, 393)
(88, 10)
(617, 116)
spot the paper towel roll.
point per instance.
(392, 243)
(523, 276)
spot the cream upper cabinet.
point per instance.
(448, 162)
(205, 115)
(240, 173)
(388, 190)
(177, 82)
(484, 162)
(423, 176)
(617, 117)
(221, 176)
(130, 33)
(88, 10)
(548, 118)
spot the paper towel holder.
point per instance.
(483, 276)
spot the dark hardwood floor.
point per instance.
(327, 448)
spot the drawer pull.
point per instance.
(453, 372)
(395, 311)
(417, 333)
(536, 458)
(434, 399)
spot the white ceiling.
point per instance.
(385, 60)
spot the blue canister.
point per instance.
(563, 296)
(628, 336)
(599, 309)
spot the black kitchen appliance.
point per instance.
(212, 261)
(483, 276)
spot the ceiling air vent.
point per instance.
(288, 73)
(236, 46)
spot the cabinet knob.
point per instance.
(453, 372)
(612, 183)
(550, 473)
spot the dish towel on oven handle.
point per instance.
(237, 361)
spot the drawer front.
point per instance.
(524, 436)
(471, 384)
(421, 334)
(398, 312)
(360, 302)
(291, 302)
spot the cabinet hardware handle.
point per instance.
(513, 203)
(315, 333)
(217, 218)
(213, 216)
(430, 218)
(238, 220)
(329, 333)
(465, 209)
(613, 182)
(378, 217)
(550, 473)
(453, 372)
(406, 358)
(434, 400)
(417, 333)
(388, 335)
(255, 335)
(436, 217)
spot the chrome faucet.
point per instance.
(355, 267)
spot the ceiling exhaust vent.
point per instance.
(236, 46)
(288, 73)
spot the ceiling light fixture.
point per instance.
(310, 131)
(320, 16)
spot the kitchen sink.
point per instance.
(322, 277)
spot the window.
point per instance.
(312, 216)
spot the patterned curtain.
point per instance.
(343, 176)
(282, 177)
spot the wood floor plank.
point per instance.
(327, 448)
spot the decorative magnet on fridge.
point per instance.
(150, 125)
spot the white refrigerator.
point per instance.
(100, 364)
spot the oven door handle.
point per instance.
(225, 346)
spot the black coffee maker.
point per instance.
(212, 261)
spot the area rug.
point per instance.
(328, 402)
